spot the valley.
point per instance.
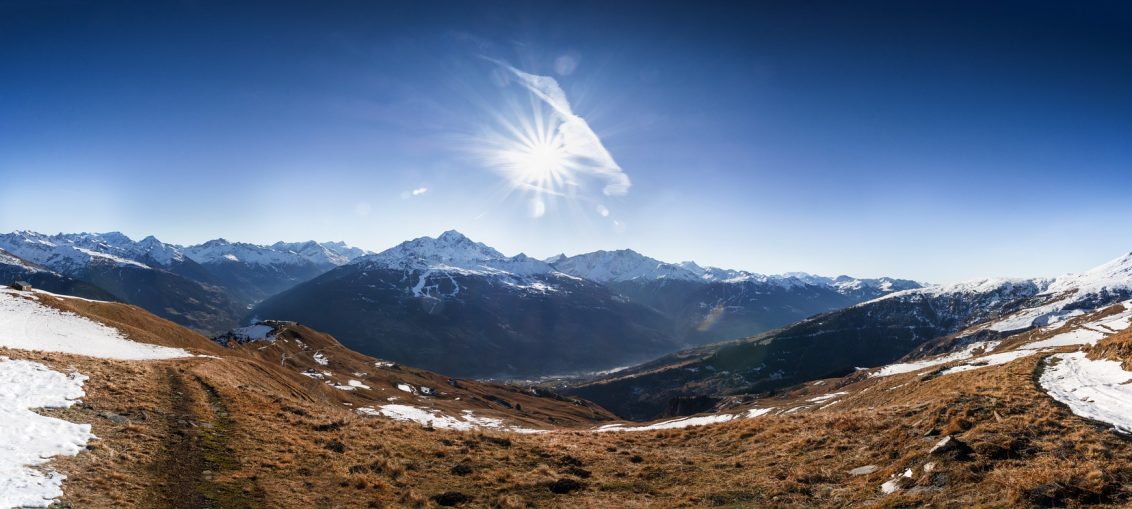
(278, 414)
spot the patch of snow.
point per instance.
(993, 359)
(910, 367)
(755, 412)
(892, 485)
(28, 325)
(30, 439)
(1095, 389)
(826, 397)
(682, 422)
(439, 420)
(61, 296)
(1079, 336)
(407, 388)
(320, 358)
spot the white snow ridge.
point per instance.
(28, 439)
(29, 325)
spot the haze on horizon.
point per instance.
(933, 143)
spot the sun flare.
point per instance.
(540, 162)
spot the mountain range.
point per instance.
(458, 306)
(446, 303)
(1009, 393)
(908, 324)
(208, 287)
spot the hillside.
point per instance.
(283, 416)
(912, 323)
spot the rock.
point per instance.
(114, 418)
(564, 486)
(922, 490)
(865, 470)
(451, 498)
(950, 445)
(897, 483)
(929, 467)
(461, 469)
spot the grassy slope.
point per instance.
(222, 430)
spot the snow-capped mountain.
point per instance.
(67, 254)
(205, 286)
(429, 264)
(452, 251)
(711, 304)
(72, 253)
(322, 253)
(627, 265)
(454, 304)
(621, 265)
(425, 299)
(326, 254)
(1038, 301)
(908, 324)
(13, 268)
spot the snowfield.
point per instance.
(28, 439)
(909, 367)
(1094, 389)
(29, 325)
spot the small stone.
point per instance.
(451, 498)
(563, 486)
(865, 470)
(948, 444)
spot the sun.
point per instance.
(540, 162)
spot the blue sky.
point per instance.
(878, 138)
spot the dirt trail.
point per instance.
(201, 469)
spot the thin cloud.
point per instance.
(579, 142)
(405, 195)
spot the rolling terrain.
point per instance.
(910, 323)
(279, 415)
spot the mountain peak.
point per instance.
(452, 236)
(621, 265)
(453, 251)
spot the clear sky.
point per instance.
(940, 142)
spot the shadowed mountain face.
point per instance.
(709, 304)
(909, 323)
(472, 325)
(459, 306)
(208, 287)
(446, 303)
(13, 269)
(715, 311)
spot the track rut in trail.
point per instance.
(200, 464)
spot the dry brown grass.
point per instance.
(290, 443)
